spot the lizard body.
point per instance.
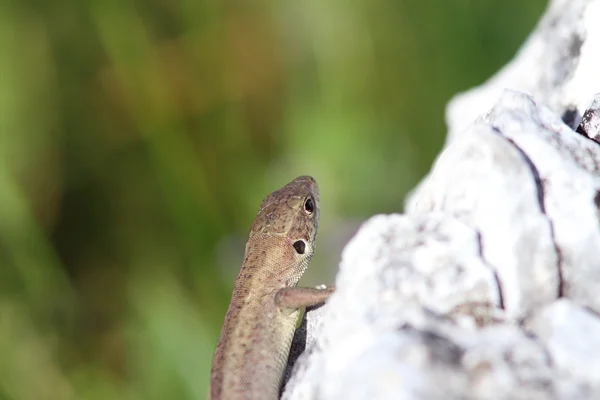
(254, 344)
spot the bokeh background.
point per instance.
(137, 139)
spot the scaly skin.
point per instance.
(255, 340)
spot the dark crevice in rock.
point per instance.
(296, 350)
(539, 184)
(496, 277)
(440, 347)
(572, 118)
(299, 348)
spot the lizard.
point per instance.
(254, 344)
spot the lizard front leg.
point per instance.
(292, 298)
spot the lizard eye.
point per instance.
(300, 246)
(309, 206)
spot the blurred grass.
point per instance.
(138, 138)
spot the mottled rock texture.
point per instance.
(488, 287)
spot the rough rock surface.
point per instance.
(590, 123)
(487, 288)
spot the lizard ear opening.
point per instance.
(300, 246)
(309, 205)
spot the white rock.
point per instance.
(571, 336)
(487, 287)
(567, 168)
(484, 180)
(504, 363)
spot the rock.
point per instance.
(590, 123)
(486, 287)
(484, 179)
(571, 335)
(567, 169)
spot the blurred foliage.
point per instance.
(137, 139)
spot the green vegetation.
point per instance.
(137, 139)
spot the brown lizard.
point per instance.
(255, 340)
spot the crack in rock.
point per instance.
(539, 183)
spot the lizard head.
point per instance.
(291, 212)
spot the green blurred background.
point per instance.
(137, 139)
